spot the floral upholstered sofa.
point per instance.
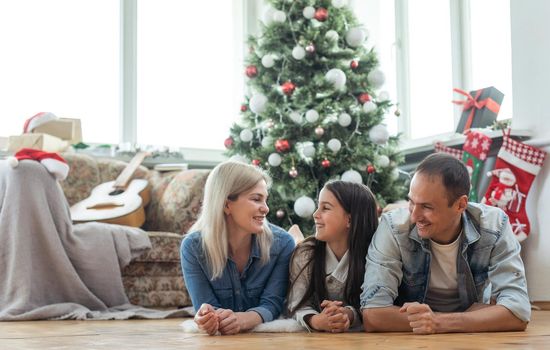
(155, 278)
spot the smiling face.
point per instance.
(246, 214)
(332, 222)
(430, 210)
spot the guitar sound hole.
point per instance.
(116, 192)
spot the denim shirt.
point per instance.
(260, 288)
(489, 266)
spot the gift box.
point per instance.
(480, 108)
(67, 129)
(44, 142)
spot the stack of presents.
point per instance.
(47, 132)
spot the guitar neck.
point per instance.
(123, 179)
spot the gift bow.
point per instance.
(473, 104)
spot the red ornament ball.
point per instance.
(256, 162)
(228, 143)
(364, 97)
(371, 169)
(282, 145)
(288, 88)
(325, 163)
(354, 64)
(251, 71)
(244, 108)
(321, 14)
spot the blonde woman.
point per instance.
(235, 264)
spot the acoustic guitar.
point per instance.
(116, 202)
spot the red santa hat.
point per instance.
(53, 162)
(37, 120)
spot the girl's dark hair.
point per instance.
(358, 201)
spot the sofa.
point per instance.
(154, 279)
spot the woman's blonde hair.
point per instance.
(227, 181)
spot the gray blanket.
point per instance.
(50, 269)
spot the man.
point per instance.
(445, 265)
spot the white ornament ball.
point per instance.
(383, 161)
(369, 106)
(295, 117)
(258, 103)
(332, 35)
(337, 77)
(339, 3)
(268, 61)
(379, 134)
(304, 207)
(334, 145)
(267, 142)
(355, 37)
(267, 18)
(352, 176)
(383, 96)
(279, 16)
(312, 116)
(344, 119)
(376, 78)
(246, 135)
(394, 174)
(309, 12)
(309, 150)
(274, 159)
(298, 52)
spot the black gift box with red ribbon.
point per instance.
(480, 108)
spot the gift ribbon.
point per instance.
(473, 104)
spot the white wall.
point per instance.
(531, 90)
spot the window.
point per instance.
(56, 58)
(439, 45)
(189, 73)
(492, 49)
(378, 17)
(65, 58)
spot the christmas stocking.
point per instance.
(475, 150)
(441, 148)
(515, 169)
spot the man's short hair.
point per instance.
(453, 174)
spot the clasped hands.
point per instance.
(212, 320)
(333, 318)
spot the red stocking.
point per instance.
(515, 169)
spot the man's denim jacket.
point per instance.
(489, 266)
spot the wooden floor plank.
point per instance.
(167, 334)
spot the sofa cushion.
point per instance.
(83, 177)
(175, 204)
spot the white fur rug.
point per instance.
(286, 325)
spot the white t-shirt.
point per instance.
(443, 285)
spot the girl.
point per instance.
(327, 270)
(235, 264)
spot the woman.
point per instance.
(326, 271)
(235, 264)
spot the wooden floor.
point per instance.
(167, 334)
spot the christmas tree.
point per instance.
(315, 109)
